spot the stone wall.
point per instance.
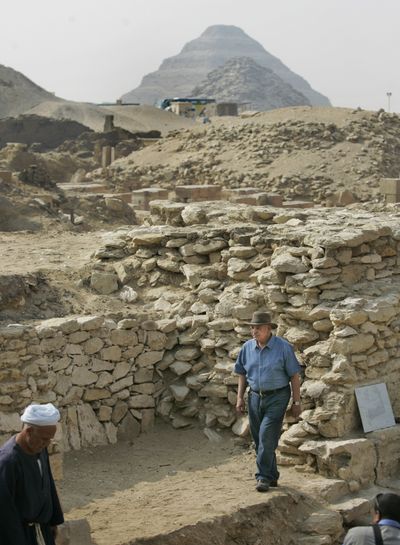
(331, 279)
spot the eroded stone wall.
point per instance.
(331, 280)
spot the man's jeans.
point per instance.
(266, 417)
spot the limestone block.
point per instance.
(121, 384)
(180, 367)
(150, 358)
(314, 388)
(123, 337)
(195, 382)
(347, 459)
(285, 262)
(192, 335)
(387, 445)
(9, 422)
(52, 344)
(89, 323)
(320, 312)
(59, 364)
(78, 337)
(74, 532)
(348, 313)
(111, 432)
(166, 325)
(121, 370)
(65, 325)
(147, 238)
(92, 346)
(91, 431)
(143, 374)
(111, 353)
(104, 413)
(63, 384)
(94, 394)
(156, 340)
(73, 350)
(324, 522)
(241, 427)
(298, 335)
(128, 429)
(103, 282)
(353, 510)
(81, 376)
(180, 392)
(214, 390)
(382, 309)
(209, 246)
(147, 388)
(164, 408)
(238, 266)
(127, 323)
(221, 324)
(352, 345)
(141, 401)
(104, 380)
(323, 325)
(72, 428)
(72, 397)
(192, 273)
(119, 411)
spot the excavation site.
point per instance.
(137, 244)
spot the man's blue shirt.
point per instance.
(268, 368)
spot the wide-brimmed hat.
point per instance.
(262, 318)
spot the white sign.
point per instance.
(374, 406)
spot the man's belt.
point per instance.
(265, 393)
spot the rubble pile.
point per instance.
(312, 154)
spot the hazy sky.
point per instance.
(97, 50)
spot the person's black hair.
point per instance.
(388, 506)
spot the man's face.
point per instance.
(261, 333)
(39, 437)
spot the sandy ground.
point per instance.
(166, 480)
(23, 252)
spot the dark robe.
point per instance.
(26, 496)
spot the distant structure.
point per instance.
(178, 75)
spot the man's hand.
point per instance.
(240, 405)
(296, 410)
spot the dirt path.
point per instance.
(166, 480)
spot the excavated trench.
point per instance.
(281, 519)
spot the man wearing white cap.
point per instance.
(29, 506)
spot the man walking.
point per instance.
(386, 524)
(29, 506)
(267, 364)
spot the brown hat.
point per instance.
(262, 318)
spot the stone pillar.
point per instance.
(390, 187)
(106, 156)
(108, 123)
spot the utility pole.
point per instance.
(388, 94)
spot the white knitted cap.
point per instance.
(41, 415)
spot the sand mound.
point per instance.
(131, 118)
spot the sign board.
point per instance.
(374, 406)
